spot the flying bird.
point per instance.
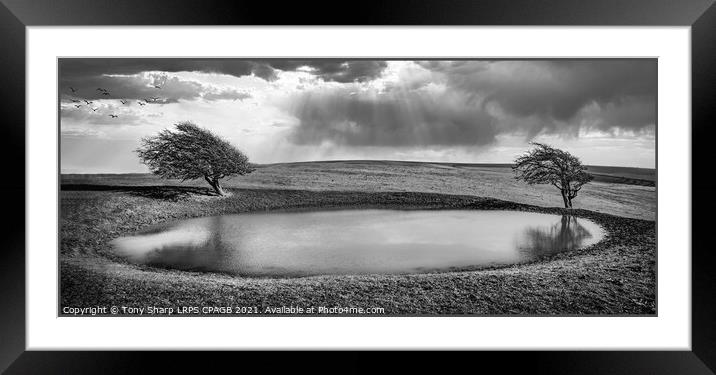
(154, 98)
(157, 87)
(88, 102)
(94, 109)
(113, 116)
(105, 93)
(123, 101)
(73, 90)
(140, 103)
(75, 101)
(77, 106)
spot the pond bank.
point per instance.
(615, 276)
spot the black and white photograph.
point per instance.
(334, 187)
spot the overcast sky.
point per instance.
(486, 111)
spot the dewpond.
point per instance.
(286, 244)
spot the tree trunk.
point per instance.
(214, 182)
(567, 203)
(219, 190)
(571, 195)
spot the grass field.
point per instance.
(615, 276)
(618, 191)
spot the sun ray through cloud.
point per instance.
(341, 109)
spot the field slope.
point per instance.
(628, 192)
(616, 276)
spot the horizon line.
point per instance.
(373, 160)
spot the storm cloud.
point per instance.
(466, 103)
(139, 87)
(338, 70)
(341, 71)
(557, 92)
(415, 119)
(313, 108)
(150, 80)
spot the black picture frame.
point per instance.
(16, 15)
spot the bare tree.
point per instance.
(190, 152)
(548, 165)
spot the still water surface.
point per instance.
(356, 241)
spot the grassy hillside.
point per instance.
(625, 192)
(615, 276)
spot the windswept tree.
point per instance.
(190, 152)
(548, 165)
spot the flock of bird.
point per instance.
(104, 92)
